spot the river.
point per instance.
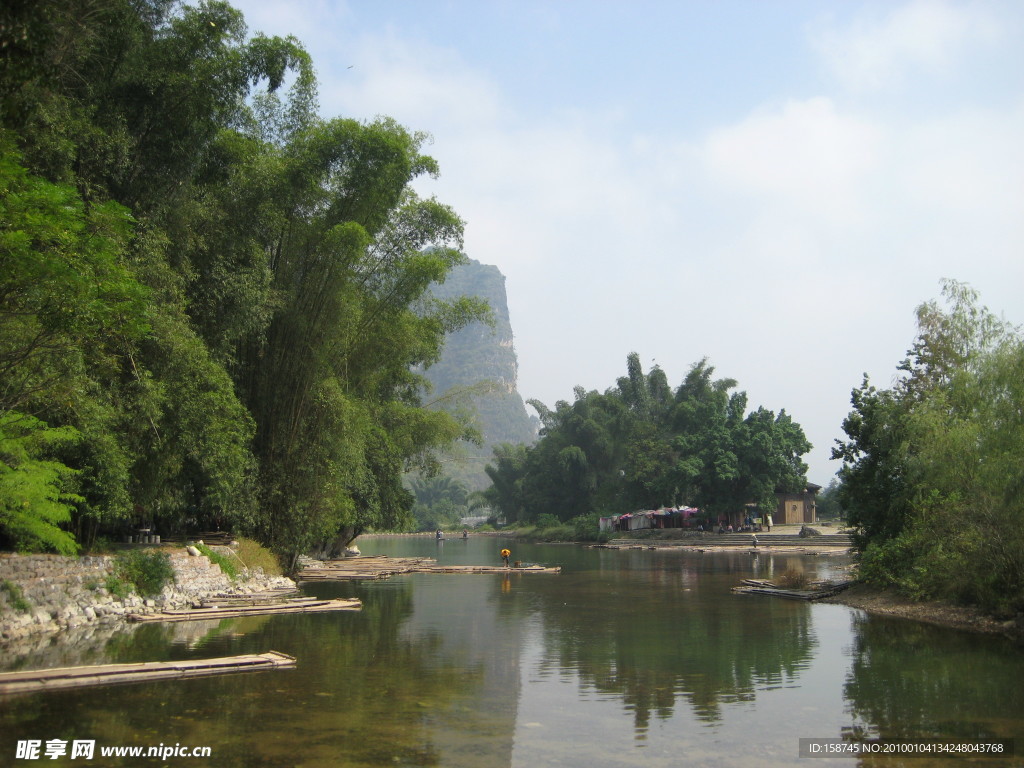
(626, 658)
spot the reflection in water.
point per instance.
(626, 658)
(363, 695)
(649, 638)
(909, 680)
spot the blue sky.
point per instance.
(774, 185)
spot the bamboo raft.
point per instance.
(215, 610)
(269, 597)
(816, 590)
(488, 569)
(113, 674)
(381, 567)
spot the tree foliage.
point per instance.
(642, 445)
(34, 496)
(440, 502)
(932, 472)
(220, 293)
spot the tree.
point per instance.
(220, 293)
(828, 501)
(440, 502)
(63, 285)
(640, 445)
(505, 493)
(34, 489)
(70, 308)
(931, 474)
(875, 494)
(332, 383)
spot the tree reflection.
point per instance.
(362, 695)
(912, 680)
(654, 646)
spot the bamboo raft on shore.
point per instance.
(30, 681)
(815, 591)
(268, 597)
(382, 567)
(216, 611)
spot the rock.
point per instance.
(192, 551)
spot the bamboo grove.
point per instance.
(212, 300)
(642, 444)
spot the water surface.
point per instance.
(627, 658)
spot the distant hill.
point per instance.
(479, 354)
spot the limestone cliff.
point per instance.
(479, 354)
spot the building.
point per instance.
(797, 507)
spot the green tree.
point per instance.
(63, 286)
(506, 494)
(828, 501)
(34, 488)
(332, 383)
(945, 438)
(639, 445)
(70, 309)
(223, 294)
(118, 100)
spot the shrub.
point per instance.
(147, 572)
(226, 565)
(587, 528)
(254, 555)
(793, 579)
(18, 601)
(117, 587)
(547, 520)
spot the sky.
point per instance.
(773, 185)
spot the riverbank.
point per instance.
(44, 595)
(882, 602)
(822, 539)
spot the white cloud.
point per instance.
(967, 165)
(314, 22)
(422, 86)
(805, 156)
(921, 37)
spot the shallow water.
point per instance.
(627, 658)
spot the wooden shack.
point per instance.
(797, 508)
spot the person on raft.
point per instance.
(505, 555)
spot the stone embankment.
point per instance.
(60, 593)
